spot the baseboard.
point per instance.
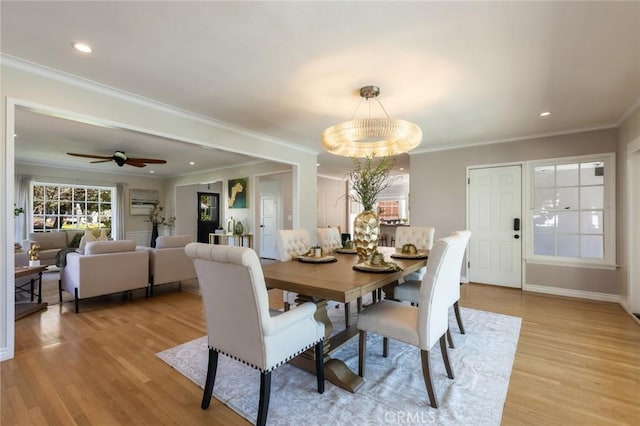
(4, 354)
(580, 294)
(625, 306)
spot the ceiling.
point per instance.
(466, 72)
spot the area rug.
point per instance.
(393, 391)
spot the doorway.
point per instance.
(495, 221)
(208, 209)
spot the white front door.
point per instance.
(495, 221)
(268, 225)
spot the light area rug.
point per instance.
(393, 391)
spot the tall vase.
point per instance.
(366, 230)
(154, 235)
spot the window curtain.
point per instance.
(121, 205)
(22, 188)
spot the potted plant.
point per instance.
(369, 177)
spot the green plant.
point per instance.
(156, 217)
(17, 211)
(369, 177)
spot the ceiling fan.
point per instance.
(121, 159)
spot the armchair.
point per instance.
(239, 323)
(424, 325)
(168, 262)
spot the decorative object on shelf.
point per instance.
(368, 180)
(34, 254)
(239, 228)
(238, 192)
(371, 136)
(231, 225)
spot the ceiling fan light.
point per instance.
(371, 136)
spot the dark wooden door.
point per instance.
(208, 215)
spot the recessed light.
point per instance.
(15, 135)
(545, 114)
(151, 171)
(192, 163)
(317, 164)
(82, 47)
(401, 168)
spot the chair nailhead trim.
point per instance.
(275, 366)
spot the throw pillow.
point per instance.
(75, 243)
(87, 237)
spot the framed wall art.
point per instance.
(238, 193)
(142, 201)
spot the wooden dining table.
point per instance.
(336, 281)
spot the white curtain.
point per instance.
(22, 188)
(120, 208)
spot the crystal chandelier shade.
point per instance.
(371, 136)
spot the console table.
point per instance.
(30, 271)
(238, 240)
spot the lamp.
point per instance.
(371, 136)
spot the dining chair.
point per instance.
(239, 323)
(290, 244)
(409, 291)
(424, 325)
(419, 236)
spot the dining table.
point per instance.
(339, 280)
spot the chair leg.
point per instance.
(359, 304)
(445, 356)
(385, 347)
(287, 306)
(456, 309)
(320, 366)
(211, 378)
(77, 303)
(60, 290)
(450, 339)
(362, 353)
(426, 375)
(346, 314)
(265, 391)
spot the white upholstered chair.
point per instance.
(168, 262)
(424, 325)
(410, 291)
(239, 323)
(291, 243)
(419, 236)
(329, 239)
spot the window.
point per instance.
(58, 207)
(572, 213)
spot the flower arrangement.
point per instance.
(17, 211)
(369, 179)
(156, 218)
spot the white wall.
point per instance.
(332, 204)
(25, 84)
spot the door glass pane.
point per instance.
(544, 199)
(592, 173)
(544, 222)
(567, 175)
(591, 222)
(592, 197)
(543, 244)
(544, 176)
(592, 246)
(568, 245)
(568, 223)
(568, 198)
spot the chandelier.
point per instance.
(365, 137)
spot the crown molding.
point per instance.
(627, 113)
(86, 84)
(518, 139)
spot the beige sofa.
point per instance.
(168, 262)
(52, 242)
(105, 267)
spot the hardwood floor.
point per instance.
(577, 363)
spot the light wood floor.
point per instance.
(578, 362)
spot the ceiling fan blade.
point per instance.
(101, 157)
(134, 162)
(100, 161)
(148, 160)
